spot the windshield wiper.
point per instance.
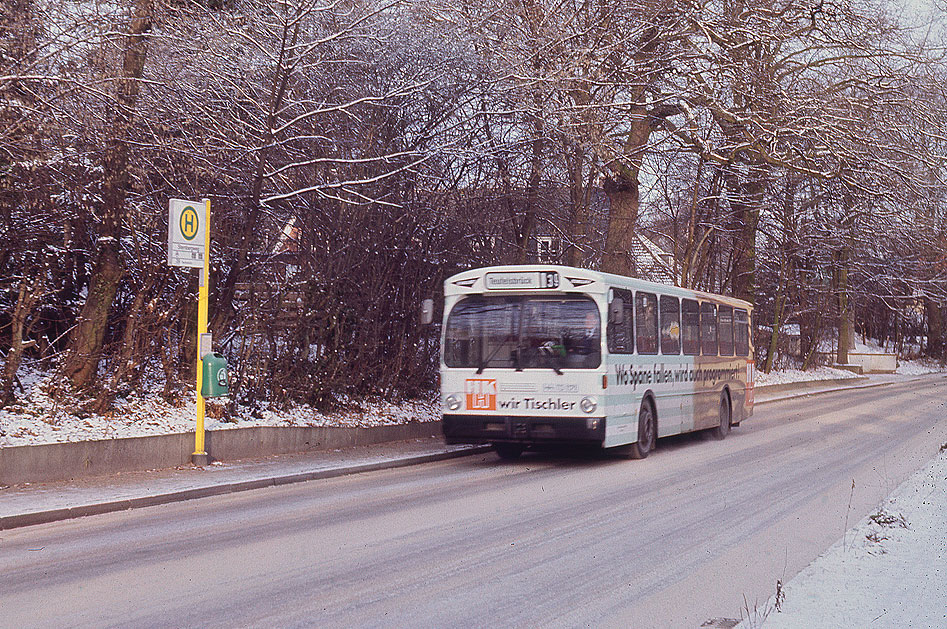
(554, 352)
(493, 354)
(514, 335)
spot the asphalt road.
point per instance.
(699, 530)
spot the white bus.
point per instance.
(537, 354)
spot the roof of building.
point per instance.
(653, 263)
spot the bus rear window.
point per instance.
(741, 332)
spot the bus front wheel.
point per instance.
(647, 435)
(508, 451)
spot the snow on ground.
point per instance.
(918, 367)
(786, 376)
(35, 418)
(888, 571)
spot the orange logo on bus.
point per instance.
(481, 395)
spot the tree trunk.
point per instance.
(576, 250)
(126, 358)
(811, 333)
(526, 223)
(845, 324)
(746, 199)
(86, 341)
(88, 337)
(623, 207)
(935, 329)
(778, 310)
(624, 203)
(27, 297)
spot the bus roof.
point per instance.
(558, 279)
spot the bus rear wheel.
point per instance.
(726, 416)
(508, 451)
(647, 435)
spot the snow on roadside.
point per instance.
(919, 367)
(888, 571)
(786, 376)
(35, 418)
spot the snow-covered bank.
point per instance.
(788, 376)
(785, 376)
(888, 571)
(35, 418)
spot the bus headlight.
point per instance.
(452, 402)
(588, 405)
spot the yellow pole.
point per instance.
(200, 456)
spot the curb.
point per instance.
(55, 515)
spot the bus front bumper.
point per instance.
(526, 430)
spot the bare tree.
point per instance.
(86, 341)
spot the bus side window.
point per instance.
(670, 325)
(708, 329)
(725, 329)
(621, 337)
(690, 330)
(741, 332)
(646, 311)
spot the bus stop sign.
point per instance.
(186, 233)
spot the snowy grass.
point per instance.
(916, 367)
(919, 367)
(786, 376)
(36, 418)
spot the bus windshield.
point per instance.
(524, 332)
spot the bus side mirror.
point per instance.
(427, 312)
(616, 311)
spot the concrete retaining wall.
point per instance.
(62, 461)
(874, 363)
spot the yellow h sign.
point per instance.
(189, 223)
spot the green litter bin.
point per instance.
(214, 380)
